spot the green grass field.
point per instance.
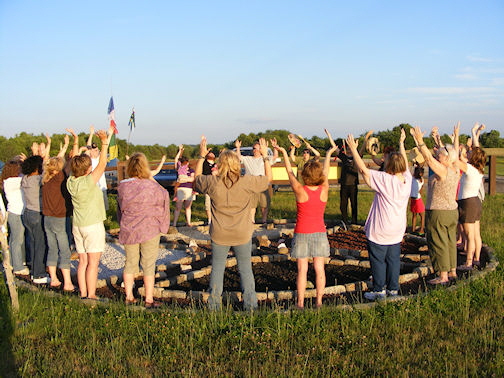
(443, 332)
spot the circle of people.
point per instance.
(54, 202)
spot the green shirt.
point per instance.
(87, 200)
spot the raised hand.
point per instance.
(402, 138)
(71, 131)
(102, 135)
(330, 138)
(417, 134)
(352, 142)
(237, 144)
(203, 146)
(263, 144)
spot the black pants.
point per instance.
(348, 192)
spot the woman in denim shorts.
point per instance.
(310, 237)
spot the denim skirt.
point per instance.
(310, 245)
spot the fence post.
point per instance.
(492, 175)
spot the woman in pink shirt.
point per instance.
(310, 237)
(386, 221)
(143, 213)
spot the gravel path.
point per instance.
(113, 259)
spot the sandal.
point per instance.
(129, 302)
(152, 305)
(438, 281)
(465, 268)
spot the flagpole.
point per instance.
(131, 125)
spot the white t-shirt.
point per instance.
(102, 182)
(470, 183)
(254, 166)
(416, 187)
(12, 189)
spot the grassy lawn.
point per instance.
(444, 333)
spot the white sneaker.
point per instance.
(375, 295)
(42, 280)
(392, 293)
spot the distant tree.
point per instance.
(491, 139)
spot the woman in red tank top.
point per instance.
(310, 237)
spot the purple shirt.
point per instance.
(143, 210)
(386, 221)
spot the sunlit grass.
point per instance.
(446, 332)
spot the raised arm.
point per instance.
(327, 161)
(238, 146)
(154, 172)
(433, 164)
(179, 154)
(64, 148)
(203, 152)
(475, 132)
(102, 162)
(456, 141)
(75, 147)
(91, 133)
(47, 152)
(402, 150)
(295, 184)
(437, 138)
(361, 166)
(263, 145)
(314, 150)
(292, 154)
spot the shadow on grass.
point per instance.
(7, 363)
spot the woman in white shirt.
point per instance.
(11, 185)
(470, 206)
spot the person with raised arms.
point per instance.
(386, 221)
(310, 235)
(88, 215)
(232, 197)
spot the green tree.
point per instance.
(491, 139)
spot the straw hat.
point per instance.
(416, 156)
(373, 145)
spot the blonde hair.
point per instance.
(52, 167)
(138, 166)
(229, 168)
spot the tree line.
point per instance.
(21, 143)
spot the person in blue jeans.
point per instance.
(32, 217)
(232, 197)
(11, 186)
(57, 209)
(386, 221)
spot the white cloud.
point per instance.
(480, 59)
(466, 76)
(450, 90)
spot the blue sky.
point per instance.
(222, 68)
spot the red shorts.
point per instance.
(417, 205)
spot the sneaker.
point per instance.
(392, 293)
(22, 272)
(375, 295)
(42, 280)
